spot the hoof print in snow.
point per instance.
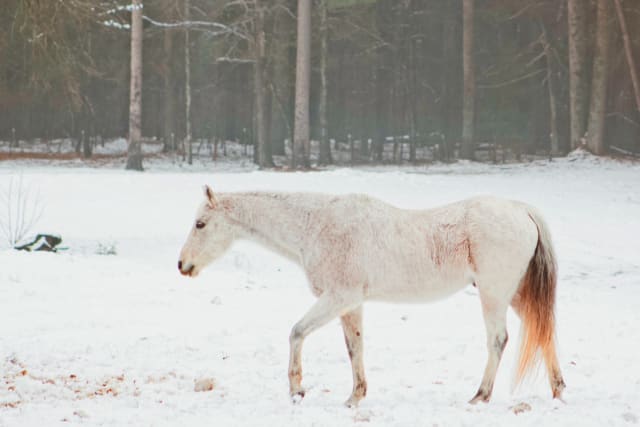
(362, 418)
(630, 418)
(81, 414)
(204, 384)
(296, 398)
(520, 408)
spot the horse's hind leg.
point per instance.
(352, 327)
(495, 315)
(322, 312)
(553, 370)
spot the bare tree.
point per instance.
(383, 75)
(300, 152)
(468, 109)
(595, 141)
(134, 158)
(168, 85)
(629, 53)
(260, 86)
(21, 210)
(578, 91)
(552, 89)
(187, 84)
(325, 146)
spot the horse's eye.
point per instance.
(200, 224)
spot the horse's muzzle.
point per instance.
(187, 271)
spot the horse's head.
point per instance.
(210, 237)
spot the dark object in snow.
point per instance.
(42, 242)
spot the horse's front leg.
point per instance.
(327, 307)
(352, 327)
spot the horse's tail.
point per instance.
(535, 301)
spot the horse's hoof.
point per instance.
(557, 389)
(352, 402)
(480, 396)
(297, 396)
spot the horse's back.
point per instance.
(418, 255)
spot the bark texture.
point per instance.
(167, 79)
(468, 107)
(325, 147)
(300, 154)
(595, 134)
(187, 84)
(553, 90)
(578, 86)
(629, 53)
(259, 69)
(134, 152)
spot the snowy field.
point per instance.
(114, 340)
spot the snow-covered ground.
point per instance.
(115, 340)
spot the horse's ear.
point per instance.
(208, 193)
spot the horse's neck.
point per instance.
(278, 221)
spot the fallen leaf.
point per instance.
(204, 384)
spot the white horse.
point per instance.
(355, 248)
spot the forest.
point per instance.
(302, 81)
(409, 204)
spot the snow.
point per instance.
(122, 339)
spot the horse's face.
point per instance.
(209, 238)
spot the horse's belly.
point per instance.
(422, 291)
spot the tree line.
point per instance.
(454, 76)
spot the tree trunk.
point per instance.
(551, 87)
(595, 133)
(383, 76)
(168, 126)
(263, 154)
(300, 154)
(413, 89)
(268, 113)
(578, 90)
(87, 148)
(325, 145)
(629, 53)
(187, 85)
(468, 108)
(134, 154)
(450, 73)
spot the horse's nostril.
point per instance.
(180, 265)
